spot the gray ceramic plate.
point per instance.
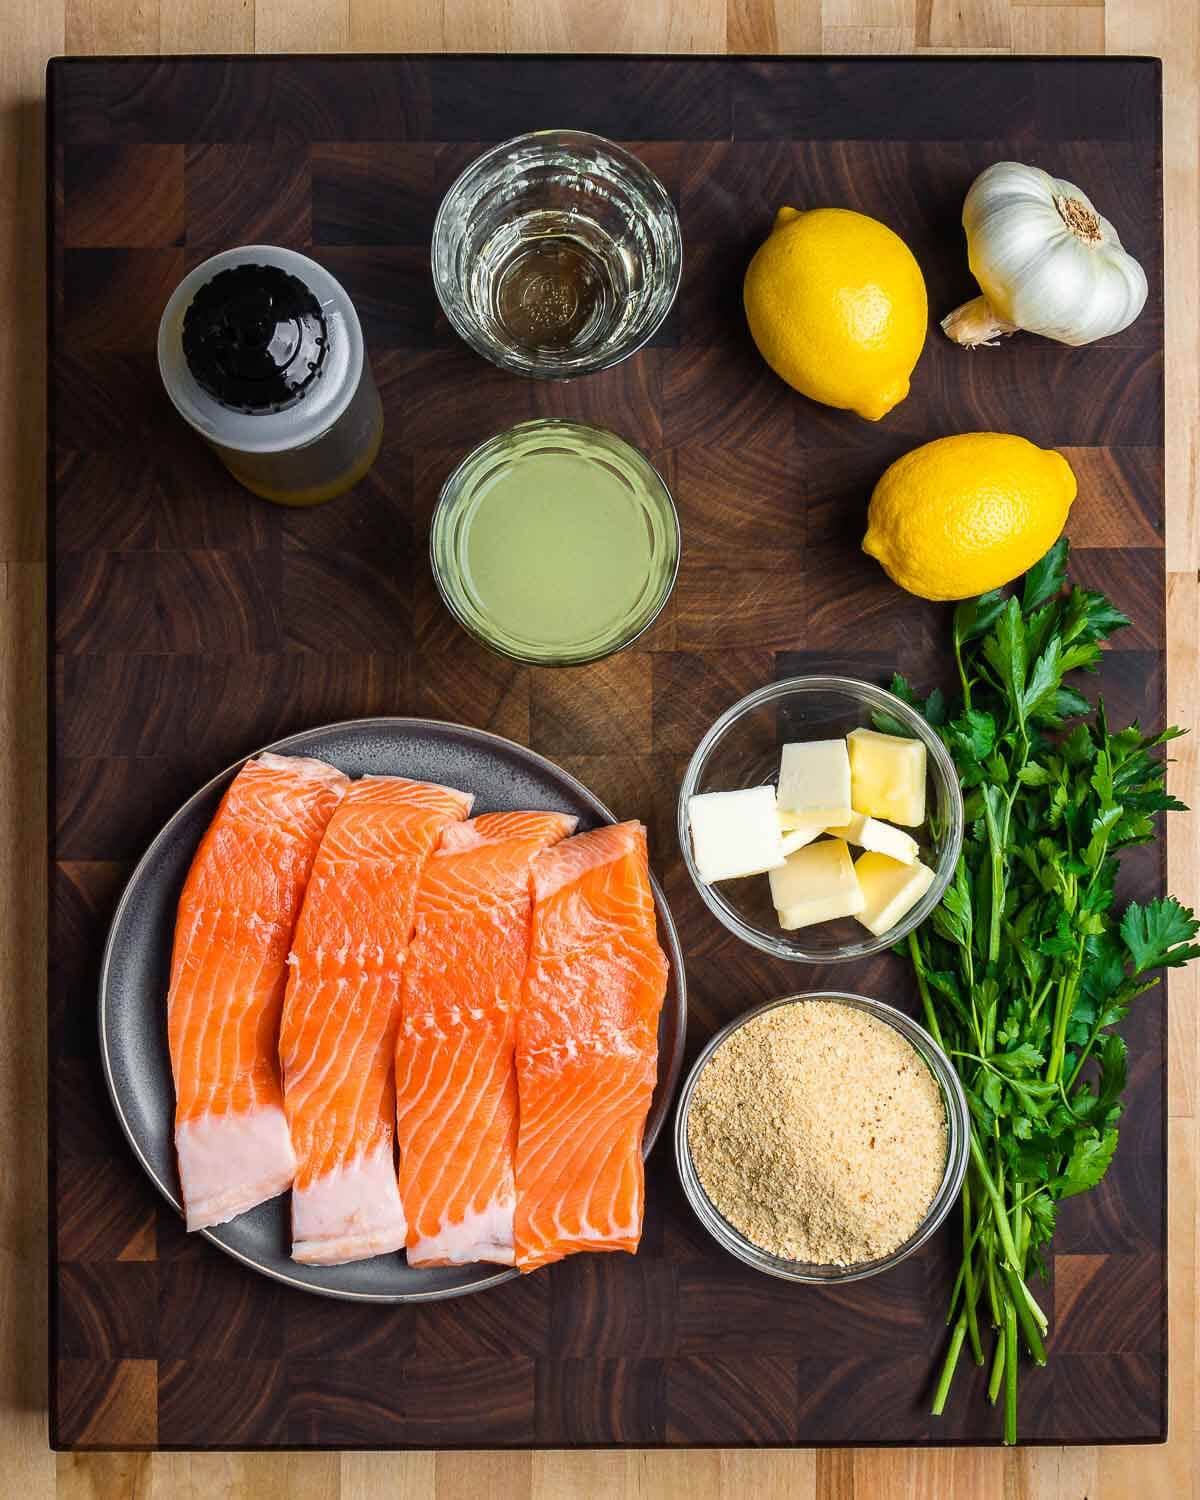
(133, 980)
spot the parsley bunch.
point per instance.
(1026, 968)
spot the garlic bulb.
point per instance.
(1046, 260)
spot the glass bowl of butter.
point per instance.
(821, 819)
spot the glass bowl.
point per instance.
(958, 1139)
(632, 601)
(556, 254)
(742, 749)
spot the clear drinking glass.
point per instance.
(557, 254)
(555, 543)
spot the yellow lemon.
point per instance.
(836, 304)
(965, 514)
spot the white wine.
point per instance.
(554, 292)
(556, 254)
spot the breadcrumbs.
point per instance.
(819, 1133)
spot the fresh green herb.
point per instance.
(1025, 968)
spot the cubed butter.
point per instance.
(816, 884)
(735, 833)
(796, 838)
(870, 833)
(887, 777)
(814, 782)
(790, 822)
(890, 890)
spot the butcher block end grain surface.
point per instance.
(192, 623)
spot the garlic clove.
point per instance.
(975, 325)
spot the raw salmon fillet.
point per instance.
(228, 974)
(338, 1039)
(587, 1047)
(456, 1089)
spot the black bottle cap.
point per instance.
(255, 338)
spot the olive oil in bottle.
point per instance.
(261, 351)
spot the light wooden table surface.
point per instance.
(32, 30)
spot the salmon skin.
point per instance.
(456, 1090)
(228, 974)
(587, 1047)
(338, 1038)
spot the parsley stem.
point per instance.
(999, 1212)
(1025, 1307)
(947, 1375)
(993, 1294)
(1079, 1062)
(1010, 1373)
(1029, 1315)
(962, 673)
(997, 1368)
(953, 1306)
(1036, 1008)
(931, 1019)
(958, 1280)
(970, 1290)
(996, 858)
(1064, 1005)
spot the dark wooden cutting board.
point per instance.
(193, 623)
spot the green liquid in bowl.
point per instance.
(555, 543)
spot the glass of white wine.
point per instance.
(557, 254)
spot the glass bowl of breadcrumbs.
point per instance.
(822, 1137)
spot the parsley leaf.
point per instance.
(1046, 577)
(1087, 1164)
(1004, 651)
(1158, 935)
(975, 617)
